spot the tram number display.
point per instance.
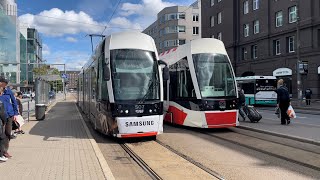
(139, 109)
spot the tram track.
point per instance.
(301, 153)
(140, 162)
(199, 165)
(152, 172)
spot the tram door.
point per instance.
(93, 84)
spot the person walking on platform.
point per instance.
(283, 102)
(3, 119)
(308, 94)
(11, 107)
(241, 103)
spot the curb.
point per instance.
(103, 163)
(310, 141)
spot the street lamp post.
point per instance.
(299, 82)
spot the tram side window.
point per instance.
(93, 83)
(102, 84)
(248, 88)
(173, 85)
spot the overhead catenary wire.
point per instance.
(115, 9)
(91, 24)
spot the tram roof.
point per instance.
(197, 46)
(132, 40)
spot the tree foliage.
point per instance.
(45, 70)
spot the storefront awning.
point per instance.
(282, 72)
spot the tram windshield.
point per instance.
(134, 74)
(214, 75)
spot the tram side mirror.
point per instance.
(165, 70)
(106, 70)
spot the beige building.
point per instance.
(175, 26)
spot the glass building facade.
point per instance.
(23, 59)
(8, 47)
(34, 51)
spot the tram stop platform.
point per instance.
(59, 147)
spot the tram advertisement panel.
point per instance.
(138, 124)
(265, 89)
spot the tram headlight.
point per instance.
(150, 110)
(126, 111)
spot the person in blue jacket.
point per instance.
(11, 107)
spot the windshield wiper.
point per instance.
(153, 84)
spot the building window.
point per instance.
(278, 18)
(291, 44)
(212, 2)
(195, 17)
(181, 28)
(219, 18)
(195, 31)
(219, 0)
(276, 47)
(255, 4)
(246, 7)
(212, 21)
(292, 14)
(171, 43)
(244, 53)
(182, 41)
(181, 16)
(254, 52)
(256, 27)
(246, 30)
(220, 36)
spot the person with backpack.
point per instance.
(283, 102)
(308, 94)
(241, 103)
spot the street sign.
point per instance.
(64, 76)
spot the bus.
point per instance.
(121, 86)
(201, 91)
(259, 89)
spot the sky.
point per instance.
(64, 24)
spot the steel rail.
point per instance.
(141, 163)
(199, 165)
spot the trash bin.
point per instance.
(40, 111)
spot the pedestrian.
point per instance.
(3, 119)
(308, 94)
(32, 95)
(241, 103)
(11, 107)
(18, 96)
(283, 102)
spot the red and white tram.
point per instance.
(202, 88)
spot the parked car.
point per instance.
(26, 95)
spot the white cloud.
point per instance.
(71, 39)
(123, 22)
(56, 22)
(45, 49)
(146, 12)
(147, 8)
(74, 60)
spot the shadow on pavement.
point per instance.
(61, 121)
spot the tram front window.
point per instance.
(214, 75)
(134, 75)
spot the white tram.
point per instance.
(120, 88)
(202, 89)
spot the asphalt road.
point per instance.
(305, 126)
